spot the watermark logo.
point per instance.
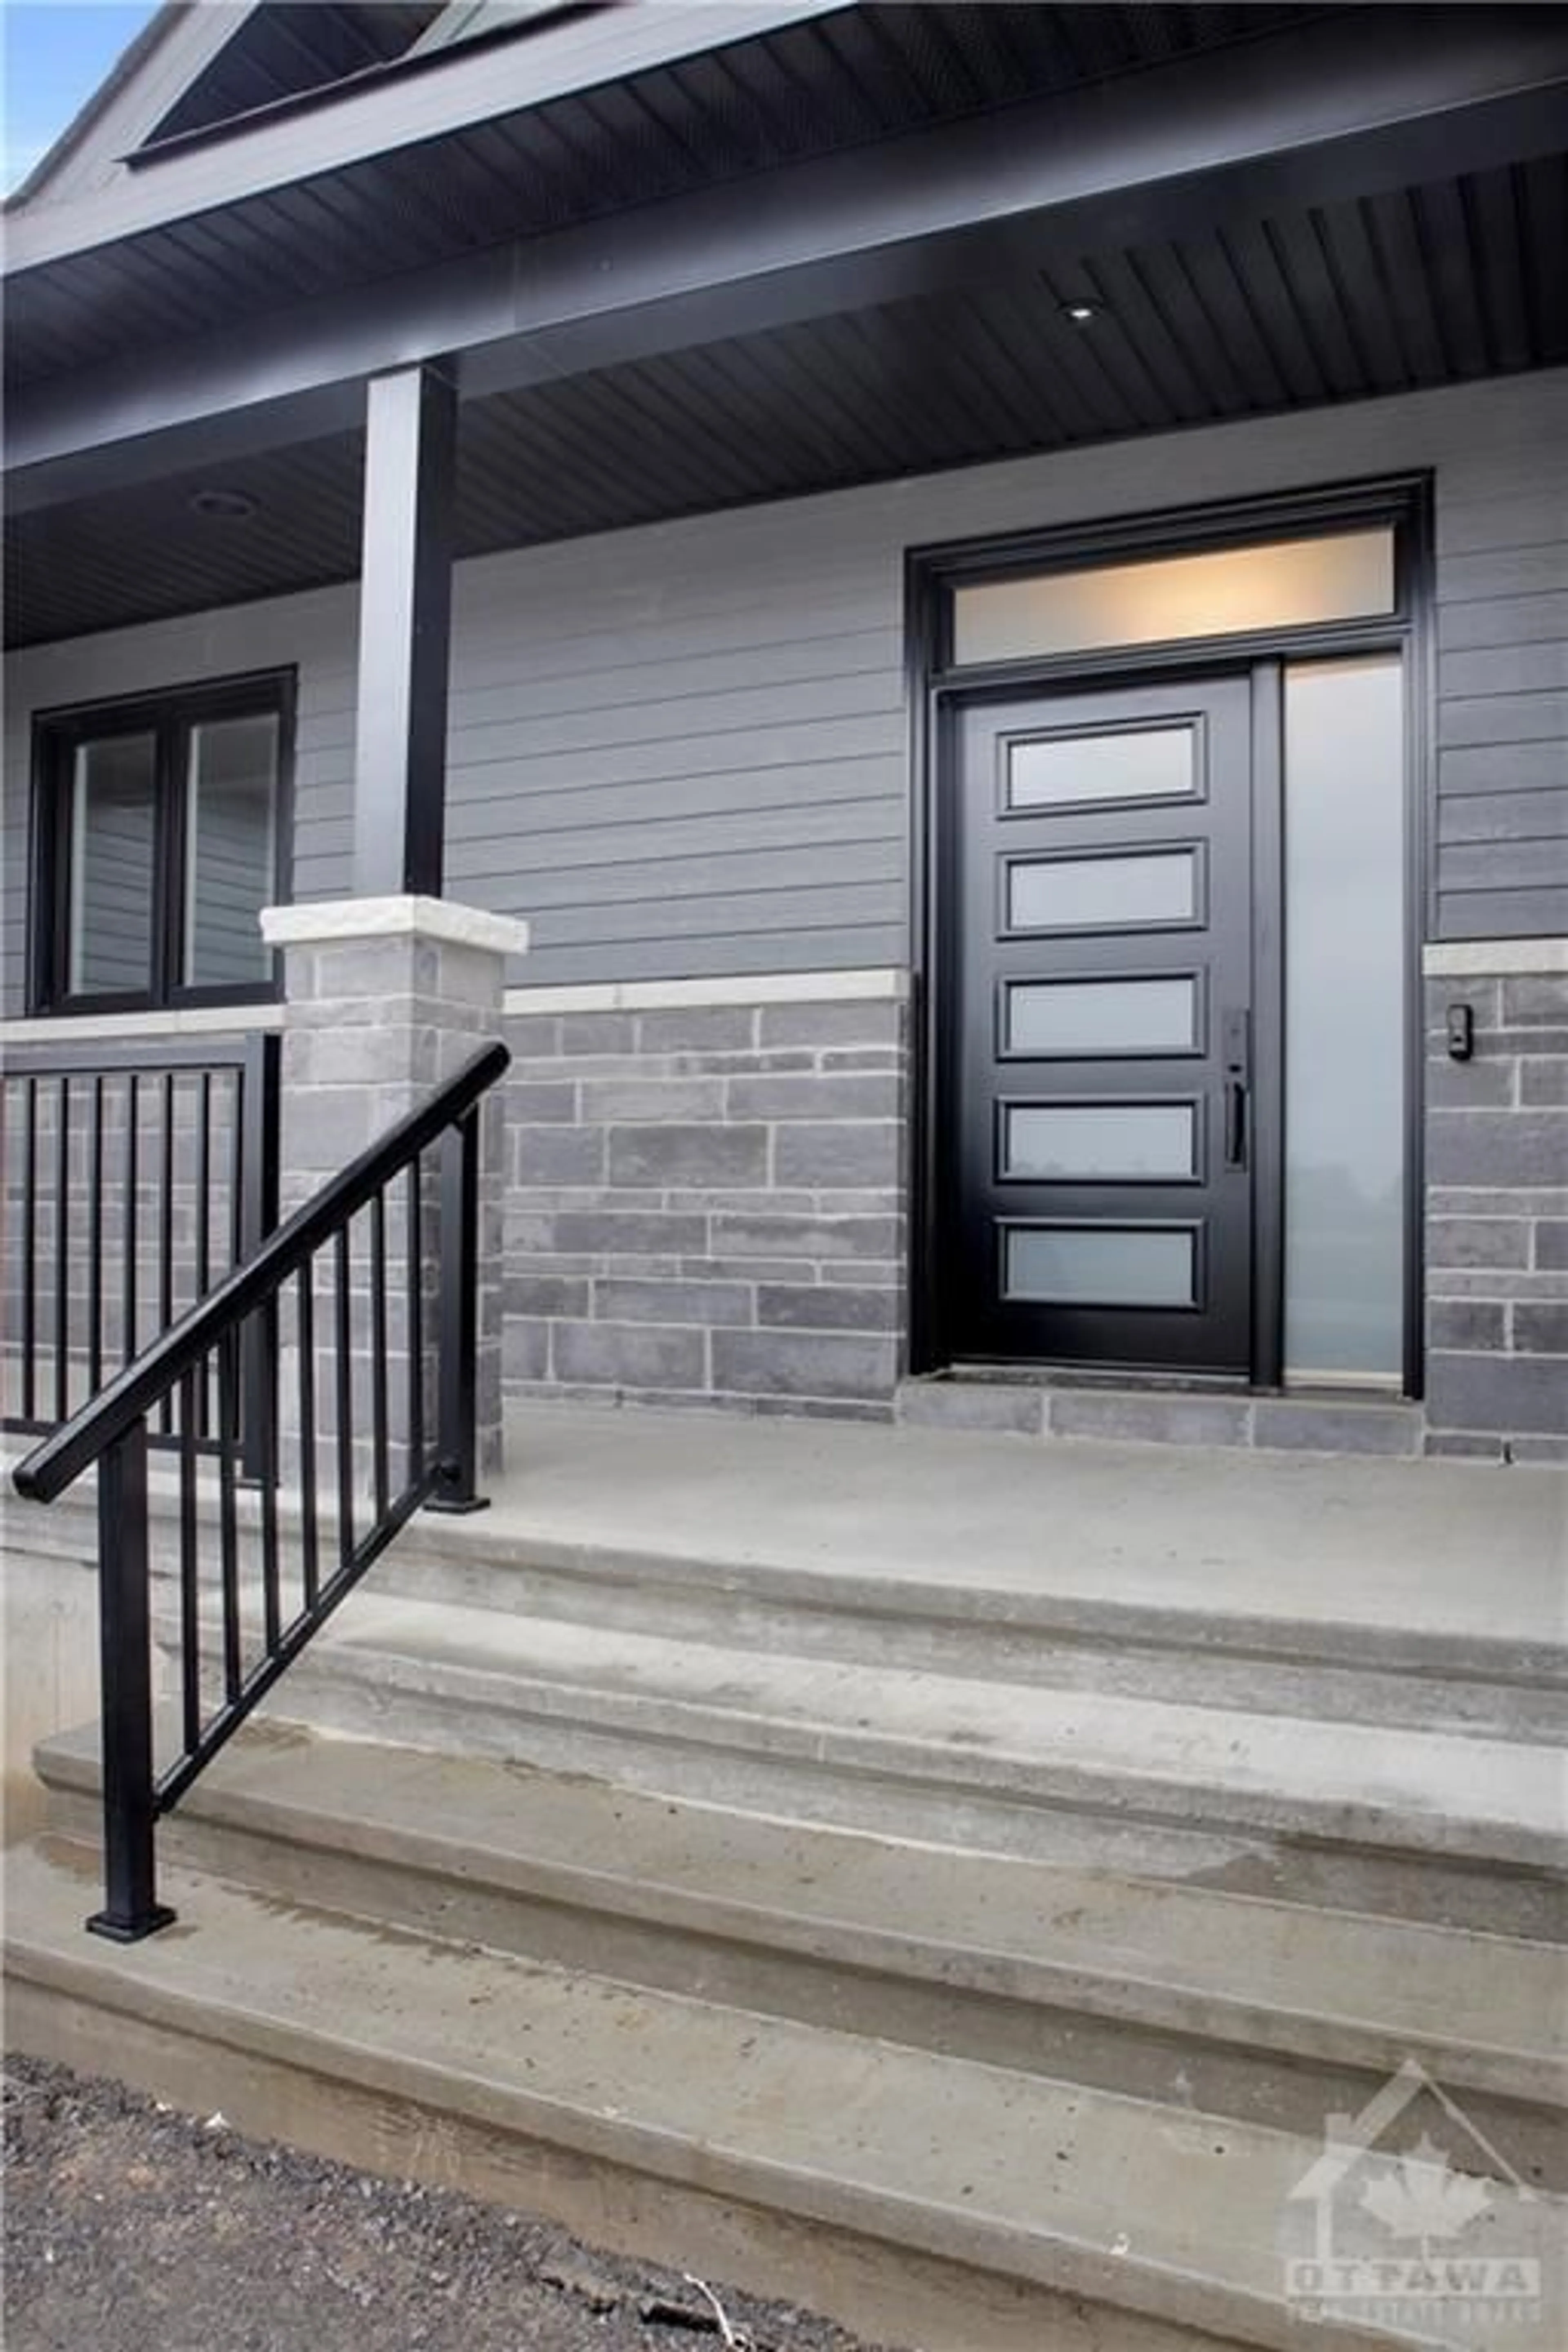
(1410, 2217)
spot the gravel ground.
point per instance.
(129, 2228)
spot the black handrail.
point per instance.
(160, 1151)
(241, 1319)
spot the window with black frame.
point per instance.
(161, 833)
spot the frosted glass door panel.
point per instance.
(1059, 771)
(1344, 1020)
(1101, 1016)
(1091, 1142)
(1100, 1265)
(1078, 894)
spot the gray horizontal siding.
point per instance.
(1523, 669)
(1502, 816)
(1480, 622)
(686, 757)
(1507, 912)
(682, 751)
(1502, 683)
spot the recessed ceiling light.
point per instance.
(1080, 313)
(224, 505)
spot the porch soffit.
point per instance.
(886, 309)
(1452, 280)
(846, 78)
(1319, 114)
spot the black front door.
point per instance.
(1093, 1103)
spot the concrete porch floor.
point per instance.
(1444, 1552)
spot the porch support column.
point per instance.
(384, 1000)
(405, 608)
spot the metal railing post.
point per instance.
(259, 1095)
(458, 1321)
(131, 1909)
(112, 1431)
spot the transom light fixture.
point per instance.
(224, 505)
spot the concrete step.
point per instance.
(857, 1537)
(970, 2206)
(978, 1632)
(697, 1719)
(971, 1631)
(1262, 2010)
(1441, 1890)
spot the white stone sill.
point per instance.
(189, 1021)
(862, 985)
(1492, 958)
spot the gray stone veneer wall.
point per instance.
(1497, 1220)
(705, 1205)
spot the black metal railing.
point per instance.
(362, 1310)
(133, 1178)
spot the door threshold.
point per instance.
(1126, 1381)
(1081, 1376)
(1040, 1401)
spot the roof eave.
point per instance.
(370, 116)
(128, 63)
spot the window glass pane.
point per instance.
(1210, 595)
(1057, 1140)
(1151, 763)
(1101, 1016)
(230, 848)
(110, 945)
(1070, 894)
(1100, 1265)
(1344, 1048)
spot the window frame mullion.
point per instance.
(167, 894)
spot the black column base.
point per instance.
(123, 1931)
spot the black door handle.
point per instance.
(1235, 1123)
(1237, 1035)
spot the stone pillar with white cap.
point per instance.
(384, 999)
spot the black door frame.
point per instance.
(1401, 502)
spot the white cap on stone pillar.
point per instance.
(321, 922)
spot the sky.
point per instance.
(54, 53)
